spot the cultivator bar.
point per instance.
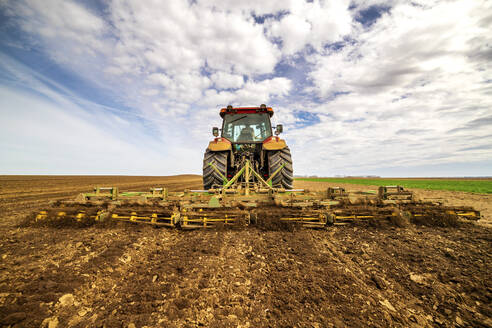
(248, 199)
(157, 219)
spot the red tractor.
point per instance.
(246, 134)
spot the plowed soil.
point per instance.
(134, 276)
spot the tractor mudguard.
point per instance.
(219, 144)
(274, 143)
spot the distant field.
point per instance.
(483, 186)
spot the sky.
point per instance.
(362, 87)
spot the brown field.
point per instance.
(352, 276)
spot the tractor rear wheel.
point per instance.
(210, 176)
(285, 177)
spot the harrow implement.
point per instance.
(248, 199)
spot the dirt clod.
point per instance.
(66, 300)
(53, 323)
(388, 305)
(419, 279)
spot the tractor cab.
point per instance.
(247, 124)
(246, 128)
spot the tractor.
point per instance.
(246, 135)
(247, 179)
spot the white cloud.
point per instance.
(160, 79)
(404, 49)
(47, 129)
(417, 93)
(413, 87)
(258, 7)
(313, 23)
(187, 88)
(294, 32)
(54, 18)
(251, 94)
(223, 80)
(214, 98)
(43, 137)
(365, 4)
(178, 37)
(67, 28)
(261, 92)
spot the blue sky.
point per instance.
(363, 87)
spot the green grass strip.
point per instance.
(477, 186)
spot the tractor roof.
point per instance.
(246, 110)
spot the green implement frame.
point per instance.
(248, 199)
(248, 173)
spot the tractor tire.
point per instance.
(284, 178)
(210, 177)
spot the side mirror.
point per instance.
(215, 131)
(279, 129)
